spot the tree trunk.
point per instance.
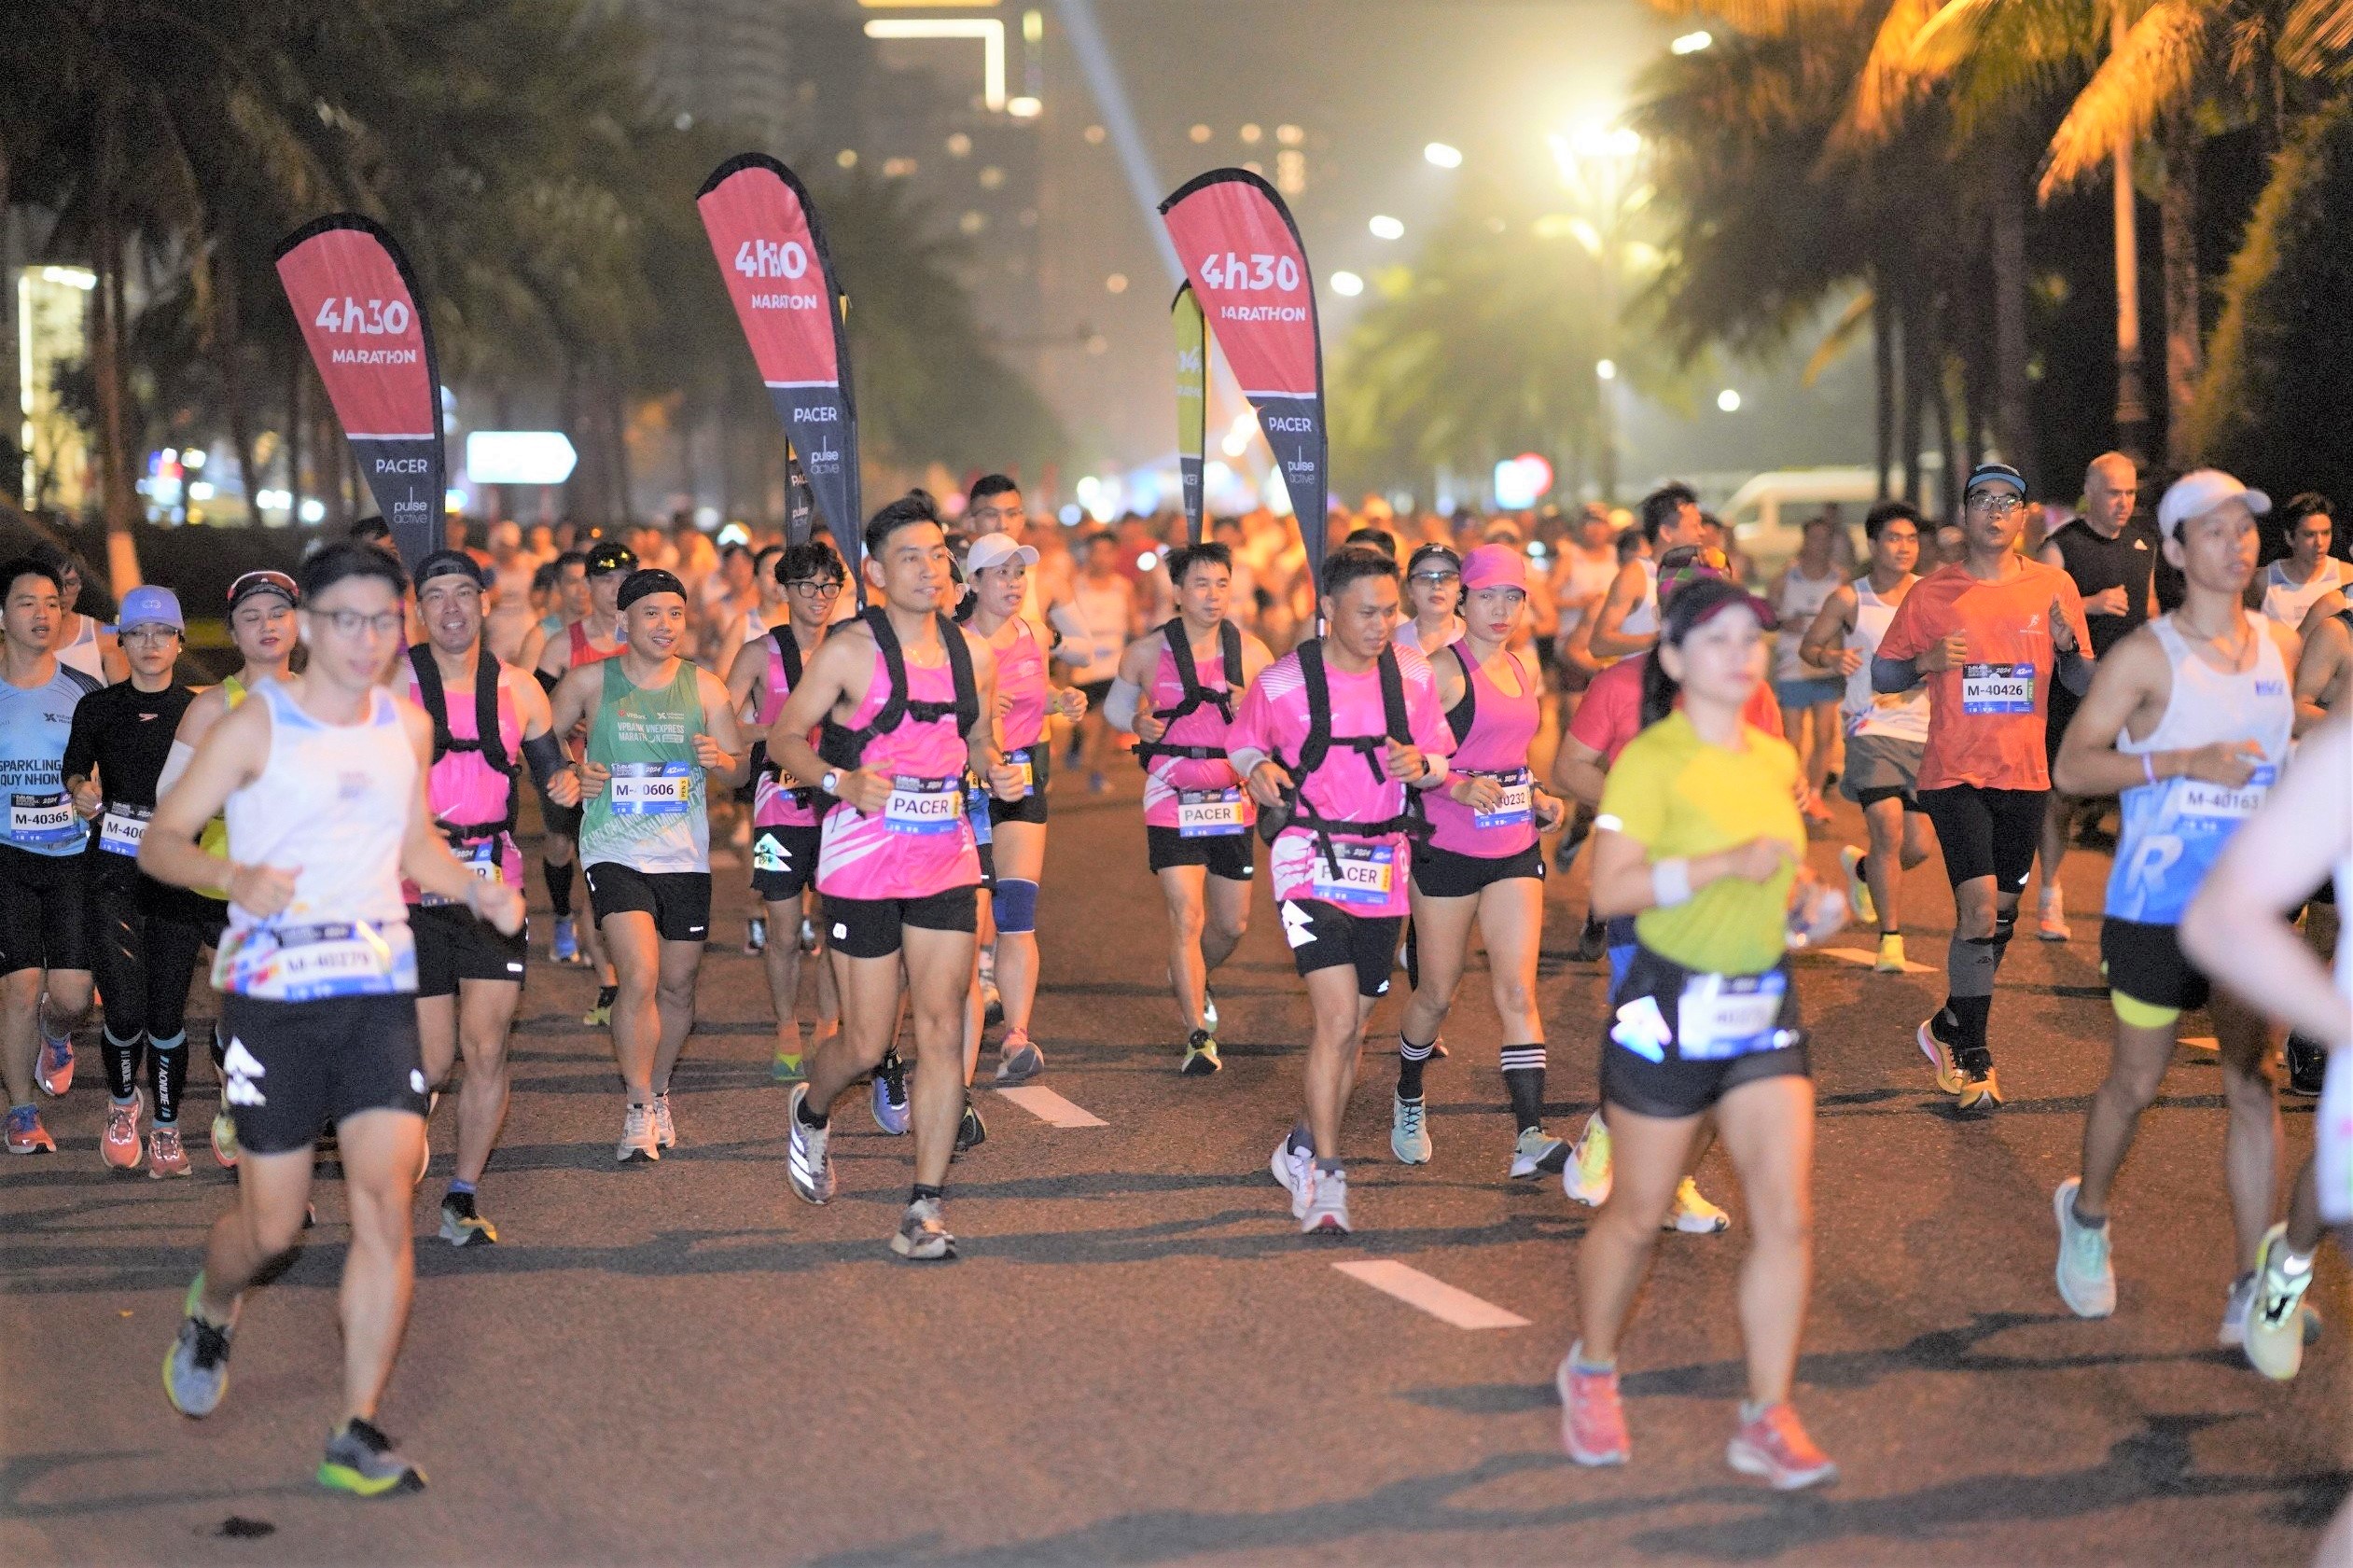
(295, 358)
(2185, 336)
(229, 358)
(1948, 490)
(1914, 394)
(122, 549)
(2014, 430)
(617, 416)
(1883, 384)
(2132, 398)
(329, 466)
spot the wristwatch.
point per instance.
(833, 777)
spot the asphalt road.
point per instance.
(1138, 1360)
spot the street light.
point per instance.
(1727, 401)
(1691, 43)
(1385, 228)
(1607, 369)
(1444, 156)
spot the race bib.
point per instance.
(924, 806)
(312, 963)
(1355, 874)
(1997, 688)
(1721, 1016)
(2215, 802)
(643, 789)
(1209, 813)
(1019, 761)
(976, 809)
(480, 857)
(1518, 805)
(122, 827)
(38, 821)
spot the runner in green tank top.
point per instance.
(651, 816)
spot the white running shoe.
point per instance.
(2086, 1276)
(922, 1235)
(1536, 1152)
(665, 1131)
(1294, 1168)
(637, 1137)
(1327, 1210)
(1409, 1131)
(1693, 1215)
(806, 1166)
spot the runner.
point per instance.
(322, 777)
(1433, 599)
(1808, 689)
(568, 602)
(2112, 559)
(1994, 634)
(80, 642)
(145, 936)
(510, 570)
(2324, 661)
(1482, 862)
(2188, 720)
(2291, 585)
(44, 877)
(907, 700)
(1330, 740)
(1628, 619)
(1700, 840)
(488, 718)
(1197, 816)
(591, 639)
(998, 568)
(1098, 624)
(656, 724)
(1885, 733)
(785, 814)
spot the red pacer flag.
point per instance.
(359, 309)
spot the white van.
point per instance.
(1767, 515)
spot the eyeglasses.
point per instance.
(149, 631)
(1438, 577)
(817, 588)
(1993, 505)
(349, 623)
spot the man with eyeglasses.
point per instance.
(1992, 634)
(593, 638)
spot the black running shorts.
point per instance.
(2146, 963)
(1030, 807)
(294, 1069)
(1444, 874)
(1675, 1087)
(454, 946)
(1226, 855)
(679, 901)
(44, 911)
(1987, 832)
(1324, 935)
(785, 861)
(871, 927)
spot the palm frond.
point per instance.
(1888, 84)
(2150, 72)
(2316, 35)
(1852, 321)
(1768, 19)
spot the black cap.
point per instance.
(610, 556)
(445, 564)
(650, 581)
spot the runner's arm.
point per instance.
(542, 753)
(1577, 770)
(2130, 690)
(81, 760)
(2319, 669)
(722, 748)
(1627, 881)
(1625, 591)
(222, 764)
(1823, 645)
(746, 670)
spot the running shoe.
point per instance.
(2273, 1332)
(1981, 1093)
(1201, 1055)
(1409, 1131)
(196, 1367)
(1293, 1163)
(224, 1149)
(26, 1136)
(992, 1005)
(2051, 917)
(2086, 1276)
(1586, 1176)
(359, 1459)
(1940, 1053)
(1890, 959)
(971, 1132)
(806, 1166)
(600, 1013)
(1850, 860)
(1208, 1009)
(638, 1142)
(890, 1095)
(462, 1222)
(922, 1235)
(808, 934)
(165, 1157)
(788, 1067)
(1693, 1214)
(756, 935)
(566, 947)
(1019, 1062)
(665, 1131)
(54, 1072)
(1592, 940)
(120, 1142)
(1537, 1153)
(2307, 1065)
(2238, 1305)
(1593, 1419)
(1775, 1447)
(1327, 1212)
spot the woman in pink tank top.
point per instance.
(1484, 862)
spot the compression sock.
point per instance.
(559, 887)
(1411, 1059)
(122, 1065)
(219, 1045)
(171, 1076)
(1524, 1081)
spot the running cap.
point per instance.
(998, 549)
(1495, 566)
(1434, 560)
(1995, 473)
(150, 605)
(2198, 493)
(1685, 564)
(610, 556)
(252, 583)
(450, 564)
(649, 581)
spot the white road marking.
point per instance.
(1857, 955)
(1437, 1297)
(1051, 1108)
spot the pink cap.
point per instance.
(1495, 566)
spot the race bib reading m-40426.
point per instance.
(1997, 688)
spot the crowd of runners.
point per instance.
(1458, 709)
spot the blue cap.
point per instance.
(142, 606)
(1995, 473)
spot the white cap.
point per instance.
(2198, 493)
(996, 549)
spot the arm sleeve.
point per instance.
(1893, 675)
(81, 743)
(2071, 606)
(1120, 707)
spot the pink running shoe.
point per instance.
(166, 1157)
(120, 1142)
(1593, 1421)
(1775, 1447)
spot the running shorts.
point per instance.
(294, 1069)
(44, 911)
(1326, 937)
(874, 927)
(1226, 855)
(1676, 1086)
(1808, 691)
(2057, 713)
(1987, 832)
(785, 861)
(1030, 807)
(1882, 768)
(2332, 1141)
(454, 946)
(2145, 963)
(143, 940)
(1444, 874)
(679, 901)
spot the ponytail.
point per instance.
(1659, 690)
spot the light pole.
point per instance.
(1606, 172)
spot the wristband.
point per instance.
(1671, 883)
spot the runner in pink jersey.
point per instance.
(1341, 862)
(1197, 817)
(469, 975)
(898, 867)
(786, 813)
(1482, 862)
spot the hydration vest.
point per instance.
(489, 740)
(1197, 696)
(843, 747)
(1297, 811)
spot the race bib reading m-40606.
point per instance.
(650, 788)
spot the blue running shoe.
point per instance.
(567, 941)
(890, 1095)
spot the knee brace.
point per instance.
(1016, 906)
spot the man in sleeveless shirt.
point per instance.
(2111, 558)
(596, 635)
(2308, 572)
(1628, 620)
(2188, 720)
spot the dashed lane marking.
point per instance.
(1051, 1108)
(1437, 1297)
